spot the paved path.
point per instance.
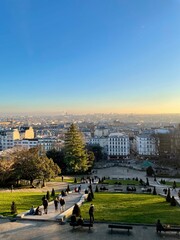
(30, 230)
(53, 215)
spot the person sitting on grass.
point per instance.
(38, 211)
(159, 226)
(31, 211)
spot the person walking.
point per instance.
(62, 204)
(45, 205)
(56, 203)
(91, 213)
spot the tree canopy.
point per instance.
(31, 164)
(76, 156)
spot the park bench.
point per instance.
(177, 230)
(120, 227)
(85, 224)
(118, 189)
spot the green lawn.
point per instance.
(132, 208)
(23, 200)
(66, 179)
(123, 182)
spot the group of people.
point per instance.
(60, 202)
(76, 213)
(34, 211)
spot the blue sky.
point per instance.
(81, 56)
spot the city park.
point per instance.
(120, 194)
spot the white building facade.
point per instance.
(146, 145)
(118, 145)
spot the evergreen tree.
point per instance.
(173, 201)
(154, 191)
(168, 197)
(48, 195)
(174, 185)
(89, 198)
(13, 208)
(53, 193)
(147, 182)
(76, 156)
(68, 188)
(97, 189)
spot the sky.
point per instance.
(93, 56)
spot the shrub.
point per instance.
(147, 182)
(174, 185)
(89, 198)
(68, 188)
(75, 180)
(53, 193)
(97, 189)
(48, 195)
(13, 208)
(173, 201)
(154, 191)
(168, 197)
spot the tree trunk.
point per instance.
(44, 183)
(31, 182)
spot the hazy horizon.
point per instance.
(90, 57)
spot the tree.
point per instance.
(53, 193)
(168, 197)
(97, 189)
(76, 157)
(48, 195)
(97, 150)
(13, 208)
(174, 185)
(150, 171)
(30, 164)
(6, 169)
(90, 160)
(58, 158)
(89, 198)
(147, 182)
(154, 191)
(173, 201)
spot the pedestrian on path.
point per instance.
(56, 203)
(45, 205)
(62, 204)
(91, 213)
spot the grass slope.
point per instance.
(132, 208)
(23, 200)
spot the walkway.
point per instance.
(53, 215)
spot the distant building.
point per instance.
(118, 145)
(7, 138)
(26, 132)
(101, 132)
(146, 145)
(26, 143)
(47, 143)
(101, 141)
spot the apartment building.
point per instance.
(146, 145)
(118, 145)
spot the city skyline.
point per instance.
(90, 57)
